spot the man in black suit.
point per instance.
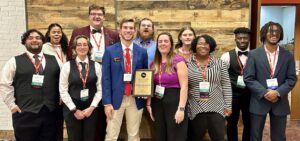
(29, 86)
(270, 75)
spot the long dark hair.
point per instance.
(64, 39)
(264, 30)
(179, 44)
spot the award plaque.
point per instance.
(143, 83)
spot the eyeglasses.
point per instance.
(96, 14)
(146, 25)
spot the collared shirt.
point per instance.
(226, 57)
(271, 56)
(150, 45)
(48, 49)
(64, 84)
(7, 77)
(97, 36)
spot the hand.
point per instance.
(227, 112)
(179, 116)
(149, 109)
(79, 114)
(109, 111)
(88, 111)
(271, 96)
(16, 109)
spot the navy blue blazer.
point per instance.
(113, 73)
(257, 71)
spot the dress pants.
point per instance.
(81, 130)
(36, 127)
(165, 127)
(277, 127)
(239, 103)
(211, 121)
(101, 125)
(133, 120)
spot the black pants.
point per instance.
(213, 122)
(240, 103)
(60, 130)
(101, 125)
(81, 130)
(164, 111)
(277, 127)
(36, 127)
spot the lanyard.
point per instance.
(61, 57)
(160, 74)
(203, 71)
(33, 62)
(240, 64)
(98, 45)
(80, 74)
(272, 65)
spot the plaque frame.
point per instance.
(137, 84)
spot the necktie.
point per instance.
(128, 86)
(242, 53)
(37, 62)
(96, 30)
(83, 69)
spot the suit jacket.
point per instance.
(113, 72)
(110, 37)
(257, 71)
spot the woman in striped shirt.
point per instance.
(210, 93)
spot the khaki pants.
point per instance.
(133, 120)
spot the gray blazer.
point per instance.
(257, 71)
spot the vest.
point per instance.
(31, 99)
(76, 84)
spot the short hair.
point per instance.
(264, 30)
(208, 39)
(88, 41)
(139, 24)
(64, 39)
(96, 7)
(179, 44)
(243, 30)
(125, 20)
(26, 34)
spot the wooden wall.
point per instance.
(215, 17)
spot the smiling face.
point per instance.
(127, 31)
(82, 47)
(273, 35)
(55, 35)
(202, 48)
(34, 43)
(187, 37)
(146, 29)
(96, 18)
(164, 44)
(242, 40)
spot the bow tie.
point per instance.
(242, 53)
(96, 30)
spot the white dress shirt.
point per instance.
(97, 36)
(243, 58)
(48, 49)
(271, 56)
(7, 78)
(64, 84)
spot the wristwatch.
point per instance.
(181, 108)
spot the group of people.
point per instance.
(88, 81)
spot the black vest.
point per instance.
(76, 84)
(33, 99)
(234, 71)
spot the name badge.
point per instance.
(98, 55)
(272, 84)
(204, 90)
(84, 94)
(240, 82)
(159, 91)
(37, 80)
(127, 77)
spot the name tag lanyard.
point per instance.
(272, 65)
(80, 75)
(203, 71)
(35, 66)
(160, 74)
(98, 45)
(61, 56)
(241, 66)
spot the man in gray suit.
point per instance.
(270, 75)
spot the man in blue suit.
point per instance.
(118, 66)
(270, 75)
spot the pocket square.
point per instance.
(117, 59)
